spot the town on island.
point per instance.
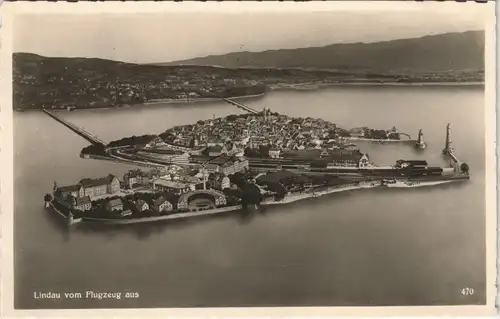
(237, 162)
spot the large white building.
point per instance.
(172, 186)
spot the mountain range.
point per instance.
(432, 53)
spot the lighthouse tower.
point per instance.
(420, 141)
(448, 148)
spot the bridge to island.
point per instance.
(241, 106)
(78, 130)
(93, 139)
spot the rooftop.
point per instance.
(69, 188)
(83, 200)
(171, 184)
(115, 202)
(93, 182)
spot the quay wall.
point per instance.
(61, 215)
(377, 140)
(165, 217)
(116, 160)
(286, 200)
(313, 193)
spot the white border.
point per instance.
(8, 12)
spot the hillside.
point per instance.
(435, 53)
(58, 83)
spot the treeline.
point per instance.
(235, 91)
(132, 140)
(375, 134)
(95, 149)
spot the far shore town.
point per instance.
(238, 162)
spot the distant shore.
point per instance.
(200, 100)
(273, 87)
(155, 102)
(318, 86)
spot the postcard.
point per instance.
(248, 159)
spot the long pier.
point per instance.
(240, 106)
(78, 130)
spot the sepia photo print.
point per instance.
(285, 158)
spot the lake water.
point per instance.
(370, 247)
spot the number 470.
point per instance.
(467, 291)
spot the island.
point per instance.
(234, 163)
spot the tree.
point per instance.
(95, 149)
(237, 178)
(191, 143)
(250, 152)
(251, 195)
(464, 168)
(232, 117)
(278, 189)
(264, 150)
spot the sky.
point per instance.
(165, 37)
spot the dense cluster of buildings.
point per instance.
(173, 179)
(80, 195)
(67, 83)
(221, 135)
(264, 135)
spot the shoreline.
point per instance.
(297, 88)
(199, 100)
(151, 103)
(288, 199)
(314, 87)
(291, 198)
(377, 140)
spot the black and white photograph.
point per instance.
(215, 156)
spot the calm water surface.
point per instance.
(372, 247)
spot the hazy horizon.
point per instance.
(203, 56)
(169, 37)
